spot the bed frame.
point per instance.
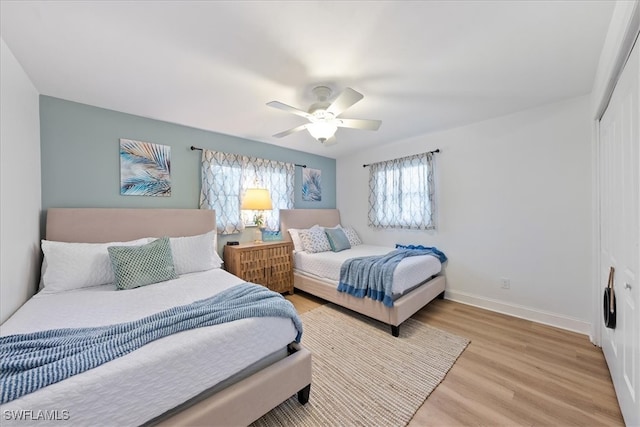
(238, 404)
(403, 308)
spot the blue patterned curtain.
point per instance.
(225, 178)
(401, 193)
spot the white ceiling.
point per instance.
(422, 66)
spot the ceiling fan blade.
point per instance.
(290, 131)
(288, 108)
(358, 124)
(346, 99)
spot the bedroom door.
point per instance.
(618, 177)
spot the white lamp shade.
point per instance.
(322, 130)
(256, 199)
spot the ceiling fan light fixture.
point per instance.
(324, 116)
(322, 130)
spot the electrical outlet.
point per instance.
(505, 283)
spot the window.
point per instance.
(225, 177)
(401, 193)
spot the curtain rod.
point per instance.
(200, 149)
(428, 152)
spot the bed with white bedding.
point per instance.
(230, 373)
(416, 280)
(410, 273)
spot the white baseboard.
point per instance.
(539, 316)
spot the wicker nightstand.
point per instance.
(269, 264)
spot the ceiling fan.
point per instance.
(324, 116)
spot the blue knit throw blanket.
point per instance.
(35, 360)
(372, 276)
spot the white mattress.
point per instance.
(410, 272)
(160, 375)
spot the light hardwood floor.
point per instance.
(514, 372)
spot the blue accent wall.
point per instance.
(81, 162)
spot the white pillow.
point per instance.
(195, 253)
(295, 238)
(68, 266)
(315, 240)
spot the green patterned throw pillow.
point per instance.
(136, 266)
(337, 239)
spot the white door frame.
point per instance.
(621, 38)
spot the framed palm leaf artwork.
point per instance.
(311, 185)
(145, 169)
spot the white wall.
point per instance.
(19, 185)
(514, 201)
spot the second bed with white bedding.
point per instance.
(404, 306)
(409, 273)
(147, 382)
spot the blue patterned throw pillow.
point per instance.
(337, 239)
(136, 266)
(354, 239)
(315, 240)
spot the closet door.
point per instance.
(619, 164)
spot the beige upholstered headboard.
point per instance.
(306, 218)
(98, 225)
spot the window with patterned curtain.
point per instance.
(401, 193)
(225, 178)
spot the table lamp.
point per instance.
(259, 200)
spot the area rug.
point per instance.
(362, 375)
